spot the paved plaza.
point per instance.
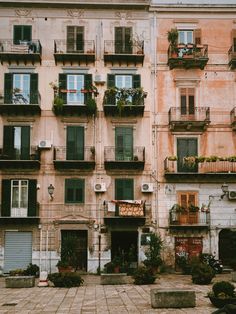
(95, 298)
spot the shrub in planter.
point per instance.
(202, 274)
(222, 293)
(32, 270)
(66, 279)
(17, 272)
(143, 276)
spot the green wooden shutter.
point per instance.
(118, 39)
(63, 85)
(17, 34)
(80, 39)
(34, 88)
(22, 32)
(87, 86)
(111, 99)
(124, 189)
(6, 198)
(8, 88)
(74, 191)
(25, 143)
(75, 143)
(191, 104)
(128, 38)
(32, 198)
(124, 143)
(183, 101)
(70, 38)
(136, 84)
(8, 141)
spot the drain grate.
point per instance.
(9, 304)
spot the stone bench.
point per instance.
(172, 298)
(20, 281)
(114, 279)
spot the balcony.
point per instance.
(200, 169)
(123, 53)
(121, 213)
(124, 158)
(84, 159)
(233, 118)
(23, 52)
(188, 56)
(196, 220)
(20, 216)
(232, 57)
(20, 104)
(186, 122)
(17, 159)
(124, 102)
(74, 52)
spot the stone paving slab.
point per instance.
(93, 298)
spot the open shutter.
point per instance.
(191, 101)
(87, 85)
(128, 37)
(8, 141)
(80, 39)
(111, 99)
(197, 36)
(136, 84)
(8, 88)
(183, 101)
(234, 40)
(25, 142)
(6, 198)
(124, 189)
(34, 88)
(32, 198)
(118, 39)
(63, 86)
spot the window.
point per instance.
(21, 88)
(75, 143)
(75, 39)
(71, 86)
(185, 199)
(123, 40)
(19, 198)
(187, 147)
(187, 101)
(124, 143)
(74, 191)
(124, 189)
(22, 34)
(16, 142)
(185, 36)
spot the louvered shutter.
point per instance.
(234, 40)
(6, 198)
(63, 86)
(25, 143)
(118, 39)
(111, 99)
(34, 88)
(191, 101)
(32, 199)
(8, 88)
(8, 141)
(183, 101)
(87, 86)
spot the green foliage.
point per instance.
(69, 254)
(172, 36)
(91, 106)
(66, 279)
(153, 252)
(17, 272)
(143, 276)
(202, 274)
(223, 289)
(32, 270)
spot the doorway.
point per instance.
(227, 245)
(79, 243)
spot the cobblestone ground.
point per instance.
(95, 298)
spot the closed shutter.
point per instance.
(32, 199)
(75, 143)
(183, 101)
(8, 88)
(124, 143)
(191, 101)
(63, 86)
(74, 190)
(124, 189)
(22, 33)
(87, 85)
(128, 40)
(75, 39)
(123, 43)
(197, 35)
(25, 143)
(187, 101)
(6, 198)
(8, 141)
(17, 250)
(34, 88)
(185, 199)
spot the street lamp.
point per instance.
(51, 191)
(225, 190)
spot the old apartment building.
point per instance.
(105, 130)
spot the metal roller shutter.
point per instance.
(18, 250)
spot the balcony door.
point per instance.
(22, 34)
(16, 142)
(75, 39)
(123, 40)
(124, 143)
(186, 147)
(75, 143)
(187, 101)
(124, 189)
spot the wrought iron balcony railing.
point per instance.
(232, 56)
(195, 218)
(25, 97)
(74, 47)
(233, 118)
(122, 47)
(19, 154)
(20, 46)
(124, 154)
(63, 153)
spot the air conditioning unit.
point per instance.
(45, 144)
(100, 187)
(232, 195)
(147, 187)
(99, 79)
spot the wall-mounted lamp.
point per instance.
(225, 190)
(51, 191)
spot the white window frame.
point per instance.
(19, 211)
(75, 82)
(20, 81)
(124, 81)
(186, 33)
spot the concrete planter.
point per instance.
(114, 279)
(20, 281)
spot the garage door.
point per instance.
(18, 250)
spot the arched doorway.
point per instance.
(227, 245)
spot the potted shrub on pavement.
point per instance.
(223, 292)
(66, 279)
(202, 274)
(153, 253)
(143, 276)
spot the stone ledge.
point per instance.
(20, 281)
(114, 279)
(172, 298)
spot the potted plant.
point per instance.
(202, 274)
(172, 37)
(64, 266)
(153, 253)
(223, 292)
(172, 158)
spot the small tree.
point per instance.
(153, 252)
